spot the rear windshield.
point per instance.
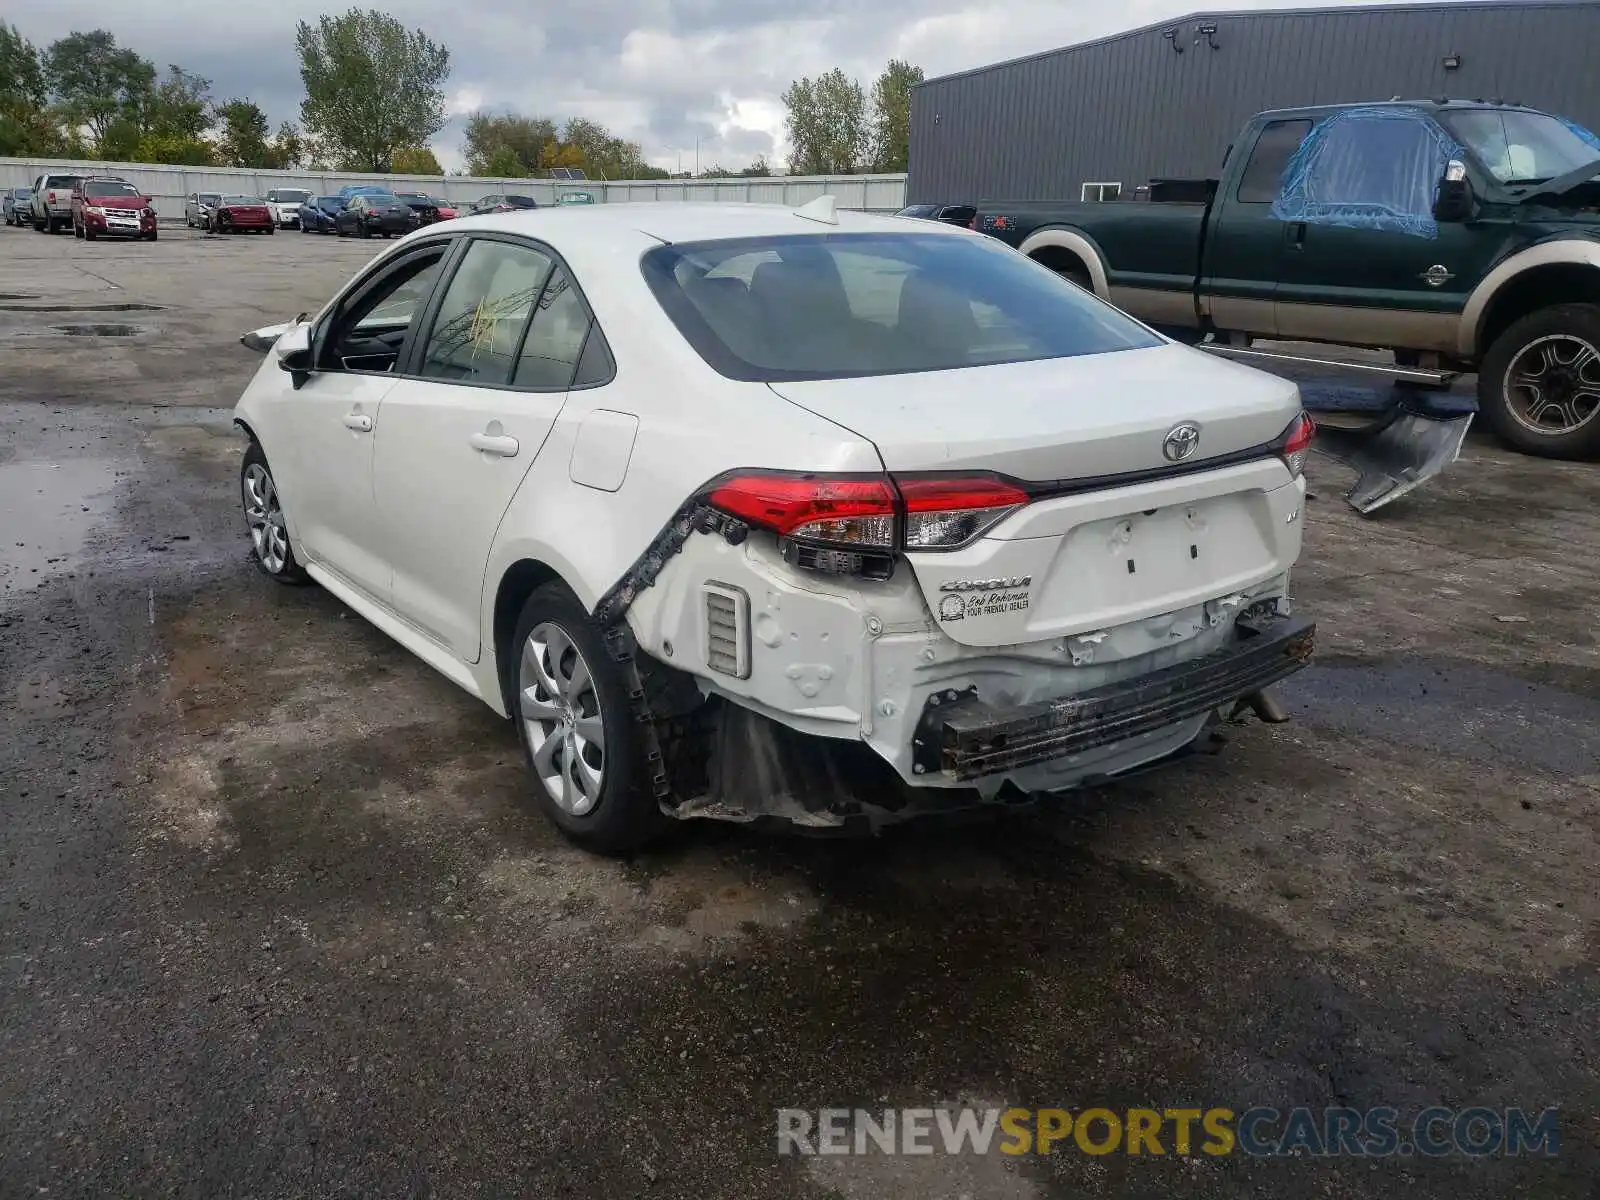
(241, 200)
(100, 187)
(835, 306)
(292, 196)
(62, 181)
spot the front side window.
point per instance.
(371, 331)
(479, 328)
(833, 306)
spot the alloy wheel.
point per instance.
(264, 515)
(1552, 385)
(560, 711)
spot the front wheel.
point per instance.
(578, 732)
(1539, 384)
(263, 517)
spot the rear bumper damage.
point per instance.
(965, 738)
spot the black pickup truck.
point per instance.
(1462, 236)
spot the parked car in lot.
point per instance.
(199, 207)
(368, 214)
(285, 205)
(950, 214)
(363, 189)
(112, 207)
(16, 205)
(51, 203)
(770, 513)
(317, 213)
(428, 208)
(489, 204)
(242, 214)
(1460, 235)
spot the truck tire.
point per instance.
(1539, 384)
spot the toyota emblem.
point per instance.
(1181, 442)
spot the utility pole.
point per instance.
(697, 158)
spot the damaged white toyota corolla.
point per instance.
(745, 511)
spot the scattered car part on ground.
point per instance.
(674, 485)
(1457, 234)
(111, 207)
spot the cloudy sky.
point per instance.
(661, 72)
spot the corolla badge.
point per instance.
(1181, 442)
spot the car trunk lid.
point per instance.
(1116, 531)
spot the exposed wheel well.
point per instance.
(248, 432)
(516, 586)
(1541, 287)
(1063, 262)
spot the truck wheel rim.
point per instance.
(560, 711)
(264, 515)
(1552, 386)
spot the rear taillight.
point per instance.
(1295, 442)
(947, 513)
(854, 525)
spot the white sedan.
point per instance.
(755, 512)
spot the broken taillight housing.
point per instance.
(854, 525)
(1295, 442)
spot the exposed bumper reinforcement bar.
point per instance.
(968, 739)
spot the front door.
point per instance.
(334, 416)
(459, 436)
(1244, 249)
(1386, 274)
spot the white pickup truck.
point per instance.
(52, 201)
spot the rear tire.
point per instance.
(270, 546)
(579, 734)
(1539, 384)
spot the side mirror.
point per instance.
(1455, 201)
(293, 352)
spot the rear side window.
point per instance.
(832, 306)
(479, 329)
(555, 339)
(1263, 174)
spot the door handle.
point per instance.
(1297, 234)
(499, 445)
(359, 422)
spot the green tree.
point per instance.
(759, 169)
(26, 128)
(827, 124)
(416, 160)
(242, 137)
(98, 83)
(891, 115)
(372, 87)
(506, 146)
(180, 106)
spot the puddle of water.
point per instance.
(101, 330)
(58, 504)
(61, 308)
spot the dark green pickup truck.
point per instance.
(1462, 236)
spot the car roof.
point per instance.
(688, 222)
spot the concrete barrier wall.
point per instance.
(169, 186)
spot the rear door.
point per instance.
(1245, 244)
(458, 436)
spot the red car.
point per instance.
(241, 214)
(113, 207)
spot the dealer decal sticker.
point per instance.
(983, 597)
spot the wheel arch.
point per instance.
(1056, 240)
(1561, 271)
(517, 582)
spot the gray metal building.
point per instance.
(1164, 100)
